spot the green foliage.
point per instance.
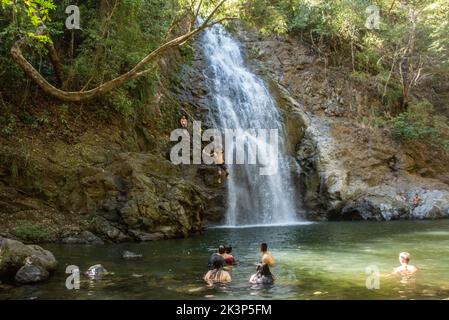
(420, 122)
(121, 102)
(7, 124)
(31, 233)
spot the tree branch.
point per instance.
(136, 71)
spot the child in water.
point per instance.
(263, 275)
(405, 269)
(217, 274)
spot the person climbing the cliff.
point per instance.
(218, 155)
(267, 257)
(217, 274)
(184, 122)
(219, 255)
(229, 258)
(263, 275)
(405, 269)
(416, 201)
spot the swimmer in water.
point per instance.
(217, 274)
(263, 275)
(219, 255)
(229, 258)
(405, 269)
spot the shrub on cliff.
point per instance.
(31, 233)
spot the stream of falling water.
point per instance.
(242, 101)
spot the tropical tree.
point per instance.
(29, 20)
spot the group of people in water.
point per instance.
(222, 262)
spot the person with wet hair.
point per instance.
(219, 255)
(405, 269)
(263, 275)
(229, 258)
(217, 274)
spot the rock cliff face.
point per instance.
(349, 169)
(105, 178)
(139, 197)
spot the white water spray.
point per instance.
(242, 101)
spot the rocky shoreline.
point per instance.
(24, 264)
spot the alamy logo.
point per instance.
(73, 281)
(373, 280)
(373, 19)
(73, 20)
(251, 146)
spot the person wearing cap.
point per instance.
(217, 274)
(405, 268)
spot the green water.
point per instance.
(314, 261)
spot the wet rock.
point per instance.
(128, 255)
(14, 254)
(85, 237)
(375, 207)
(145, 236)
(105, 228)
(31, 274)
(142, 197)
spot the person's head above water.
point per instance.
(221, 249)
(404, 257)
(264, 247)
(228, 249)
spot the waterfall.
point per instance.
(242, 101)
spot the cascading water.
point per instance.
(242, 101)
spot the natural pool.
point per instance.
(314, 261)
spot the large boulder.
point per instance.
(31, 274)
(434, 205)
(140, 197)
(375, 207)
(14, 254)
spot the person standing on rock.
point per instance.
(218, 155)
(417, 201)
(184, 122)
